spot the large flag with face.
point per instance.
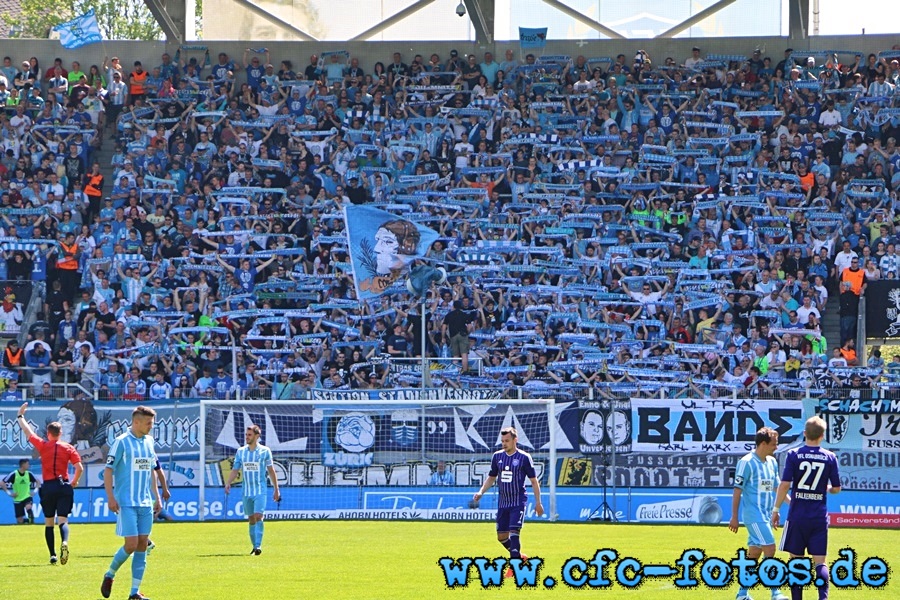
(532, 37)
(80, 31)
(382, 246)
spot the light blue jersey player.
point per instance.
(755, 481)
(255, 461)
(131, 491)
(512, 467)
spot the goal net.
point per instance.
(343, 459)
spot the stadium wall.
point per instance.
(702, 506)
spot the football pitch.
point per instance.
(381, 560)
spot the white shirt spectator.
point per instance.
(777, 358)
(463, 150)
(822, 294)
(57, 189)
(648, 299)
(770, 303)
(837, 362)
(19, 123)
(827, 243)
(842, 260)
(830, 118)
(803, 313)
(694, 59)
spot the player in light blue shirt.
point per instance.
(131, 491)
(755, 481)
(255, 461)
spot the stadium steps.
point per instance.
(104, 157)
(831, 322)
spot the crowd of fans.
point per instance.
(635, 225)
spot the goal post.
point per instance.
(397, 459)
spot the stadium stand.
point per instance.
(638, 225)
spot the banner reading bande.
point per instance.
(710, 425)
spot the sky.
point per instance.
(875, 16)
(344, 19)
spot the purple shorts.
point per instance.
(510, 519)
(801, 537)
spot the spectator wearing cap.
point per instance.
(38, 360)
(24, 77)
(255, 69)
(127, 172)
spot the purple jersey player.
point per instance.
(512, 467)
(810, 472)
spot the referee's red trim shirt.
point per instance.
(55, 457)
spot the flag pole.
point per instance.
(426, 376)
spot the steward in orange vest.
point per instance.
(13, 357)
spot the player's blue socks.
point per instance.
(118, 560)
(64, 533)
(796, 592)
(822, 573)
(505, 543)
(138, 564)
(251, 527)
(514, 544)
(51, 540)
(259, 534)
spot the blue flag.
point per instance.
(80, 31)
(382, 245)
(532, 37)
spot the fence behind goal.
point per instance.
(340, 459)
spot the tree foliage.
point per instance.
(118, 19)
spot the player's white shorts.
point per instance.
(760, 534)
(133, 521)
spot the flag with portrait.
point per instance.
(382, 246)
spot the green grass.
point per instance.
(370, 560)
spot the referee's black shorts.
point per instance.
(56, 499)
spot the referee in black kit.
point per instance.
(57, 491)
